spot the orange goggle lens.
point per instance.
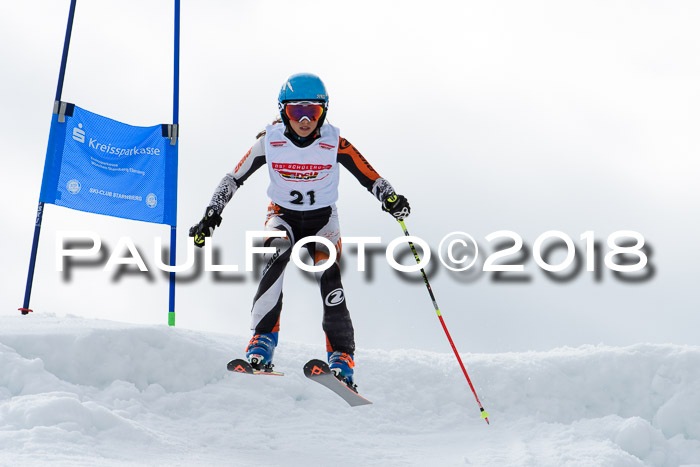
(298, 112)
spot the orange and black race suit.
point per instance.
(319, 221)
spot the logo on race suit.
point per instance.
(302, 172)
(151, 200)
(326, 146)
(336, 297)
(73, 186)
(240, 164)
(79, 133)
(277, 144)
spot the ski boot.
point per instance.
(342, 364)
(260, 350)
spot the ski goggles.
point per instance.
(298, 111)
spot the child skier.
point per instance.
(302, 157)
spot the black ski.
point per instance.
(319, 371)
(238, 365)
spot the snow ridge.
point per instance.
(85, 392)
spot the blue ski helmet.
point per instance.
(303, 87)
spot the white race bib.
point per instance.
(302, 179)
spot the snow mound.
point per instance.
(84, 392)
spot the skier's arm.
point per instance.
(252, 161)
(350, 158)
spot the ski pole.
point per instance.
(484, 414)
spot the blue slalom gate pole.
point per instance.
(40, 208)
(176, 110)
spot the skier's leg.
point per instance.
(340, 335)
(267, 304)
(337, 324)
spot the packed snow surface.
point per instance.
(75, 391)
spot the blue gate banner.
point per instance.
(96, 164)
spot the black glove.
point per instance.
(397, 206)
(206, 226)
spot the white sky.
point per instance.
(526, 116)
